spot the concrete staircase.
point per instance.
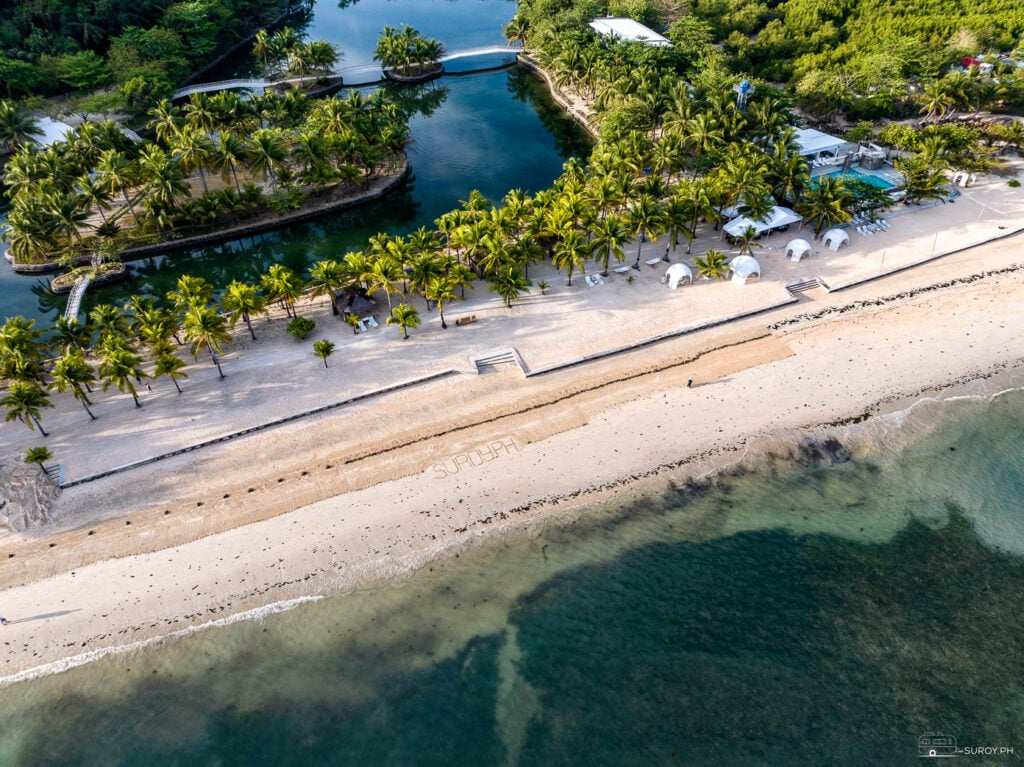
(498, 360)
(803, 286)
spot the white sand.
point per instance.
(409, 473)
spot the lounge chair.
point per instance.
(621, 269)
(589, 279)
(372, 322)
(362, 326)
(653, 261)
(598, 279)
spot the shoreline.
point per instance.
(390, 513)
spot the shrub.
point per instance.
(300, 327)
(1013, 182)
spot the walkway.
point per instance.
(356, 75)
(75, 300)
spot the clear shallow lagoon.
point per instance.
(493, 131)
(816, 610)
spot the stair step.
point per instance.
(501, 360)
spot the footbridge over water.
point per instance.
(353, 76)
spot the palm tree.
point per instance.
(609, 237)
(509, 282)
(170, 365)
(39, 456)
(327, 278)
(193, 148)
(824, 203)
(67, 214)
(24, 402)
(118, 175)
(283, 285)
(166, 121)
(241, 301)
(404, 316)
(748, 241)
(21, 350)
(570, 253)
(228, 154)
(386, 274)
(109, 320)
(646, 219)
(119, 367)
(712, 265)
(16, 125)
(440, 290)
(70, 373)
(323, 349)
(205, 328)
(189, 291)
(71, 333)
(267, 151)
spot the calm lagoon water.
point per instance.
(491, 131)
(828, 607)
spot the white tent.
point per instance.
(744, 269)
(814, 143)
(836, 238)
(797, 249)
(678, 273)
(628, 29)
(777, 218)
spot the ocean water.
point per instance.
(826, 604)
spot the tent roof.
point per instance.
(799, 246)
(52, 131)
(777, 217)
(682, 269)
(813, 141)
(627, 29)
(744, 266)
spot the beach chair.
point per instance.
(362, 326)
(621, 269)
(589, 279)
(372, 322)
(598, 279)
(653, 261)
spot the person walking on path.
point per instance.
(3, 621)
(689, 383)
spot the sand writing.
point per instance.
(478, 456)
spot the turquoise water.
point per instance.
(493, 131)
(827, 607)
(855, 175)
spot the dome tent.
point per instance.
(836, 238)
(678, 274)
(744, 269)
(797, 249)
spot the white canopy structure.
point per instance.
(678, 273)
(744, 269)
(627, 29)
(52, 131)
(797, 249)
(814, 143)
(836, 238)
(777, 218)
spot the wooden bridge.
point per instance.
(357, 75)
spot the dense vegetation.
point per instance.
(864, 58)
(101, 192)
(141, 47)
(407, 52)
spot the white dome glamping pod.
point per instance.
(797, 249)
(678, 274)
(744, 269)
(836, 238)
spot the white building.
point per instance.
(627, 29)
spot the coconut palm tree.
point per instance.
(570, 254)
(748, 241)
(119, 367)
(23, 403)
(712, 265)
(645, 218)
(441, 290)
(824, 203)
(229, 152)
(323, 349)
(510, 283)
(70, 374)
(109, 320)
(166, 121)
(21, 349)
(241, 300)
(118, 175)
(404, 316)
(283, 285)
(385, 274)
(194, 150)
(170, 365)
(609, 235)
(16, 125)
(38, 456)
(267, 152)
(326, 279)
(71, 333)
(206, 328)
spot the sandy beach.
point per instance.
(375, 488)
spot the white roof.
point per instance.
(52, 131)
(798, 246)
(814, 141)
(627, 29)
(744, 266)
(834, 238)
(677, 273)
(778, 216)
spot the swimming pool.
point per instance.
(877, 181)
